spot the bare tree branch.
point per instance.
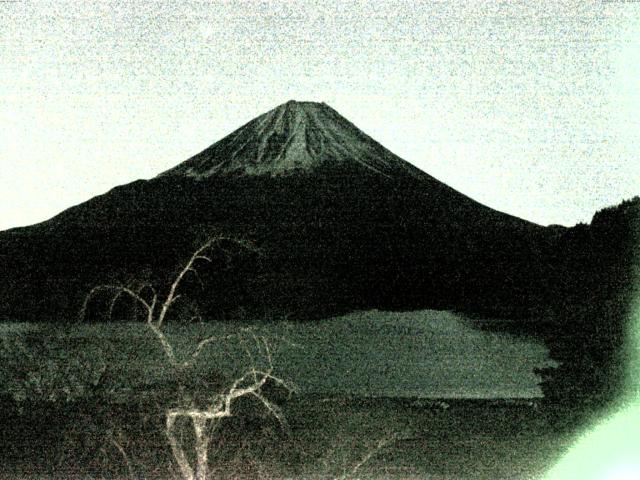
(198, 350)
(197, 275)
(176, 449)
(221, 405)
(124, 455)
(118, 290)
(382, 444)
(166, 346)
(197, 255)
(113, 302)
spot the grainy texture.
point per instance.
(529, 107)
(435, 327)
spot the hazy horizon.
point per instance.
(530, 109)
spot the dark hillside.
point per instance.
(596, 286)
(330, 243)
(342, 224)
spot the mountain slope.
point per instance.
(342, 223)
(294, 137)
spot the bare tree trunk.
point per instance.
(176, 449)
(249, 384)
(202, 444)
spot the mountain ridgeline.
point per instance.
(296, 137)
(340, 224)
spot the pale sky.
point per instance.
(529, 107)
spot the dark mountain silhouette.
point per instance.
(589, 327)
(342, 224)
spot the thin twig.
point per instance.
(370, 454)
(123, 454)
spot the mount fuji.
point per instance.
(296, 137)
(341, 222)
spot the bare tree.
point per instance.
(155, 310)
(220, 405)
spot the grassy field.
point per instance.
(89, 400)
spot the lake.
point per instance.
(424, 354)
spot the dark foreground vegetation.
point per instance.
(595, 311)
(325, 438)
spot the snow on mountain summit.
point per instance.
(293, 137)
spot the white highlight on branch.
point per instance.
(155, 324)
(221, 406)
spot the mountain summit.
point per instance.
(295, 137)
(341, 222)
